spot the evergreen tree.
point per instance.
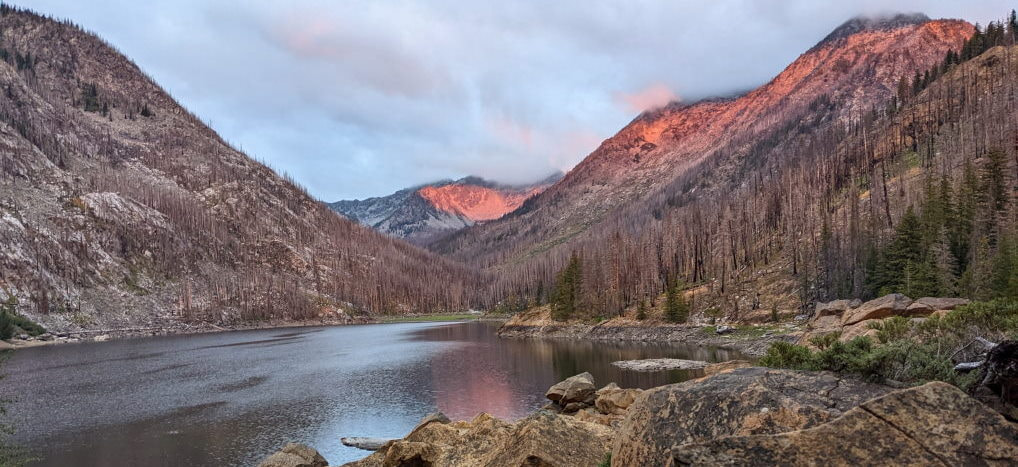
(567, 290)
(676, 306)
(641, 310)
(902, 256)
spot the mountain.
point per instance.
(426, 213)
(118, 208)
(761, 204)
(856, 67)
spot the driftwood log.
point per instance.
(997, 385)
(367, 444)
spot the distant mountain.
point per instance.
(118, 208)
(426, 213)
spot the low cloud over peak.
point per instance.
(360, 98)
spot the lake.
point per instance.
(232, 398)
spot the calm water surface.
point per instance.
(232, 398)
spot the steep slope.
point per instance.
(913, 197)
(119, 208)
(430, 212)
(857, 66)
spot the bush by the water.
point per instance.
(11, 322)
(906, 351)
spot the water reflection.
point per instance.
(232, 398)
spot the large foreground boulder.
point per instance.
(888, 305)
(295, 455)
(542, 439)
(935, 424)
(744, 401)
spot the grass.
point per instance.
(430, 318)
(905, 351)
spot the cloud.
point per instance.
(361, 98)
(649, 98)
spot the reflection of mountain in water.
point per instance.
(508, 377)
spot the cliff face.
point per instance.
(119, 208)
(856, 67)
(428, 213)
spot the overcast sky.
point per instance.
(359, 98)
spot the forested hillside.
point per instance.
(119, 208)
(912, 194)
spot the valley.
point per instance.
(730, 280)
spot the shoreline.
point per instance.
(747, 342)
(182, 329)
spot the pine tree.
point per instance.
(676, 306)
(567, 290)
(641, 310)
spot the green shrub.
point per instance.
(607, 462)
(825, 340)
(891, 329)
(786, 355)
(903, 352)
(11, 322)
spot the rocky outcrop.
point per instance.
(295, 455)
(928, 305)
(835, 308)
(741, 402)
(852, 318)
(888, 305)
(935, 424)
(660, 364)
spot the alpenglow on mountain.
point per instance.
(426, 213)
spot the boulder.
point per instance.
(744, 401)
(934, 424)
(660, 364)
(295, 455)
(725, 330)
(928, 305)
(834, 308)
(613, 400)
(573, 389)
(888, 305)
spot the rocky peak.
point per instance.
(884, 22)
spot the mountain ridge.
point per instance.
(426, 213)
(120, 208)
(836, 80)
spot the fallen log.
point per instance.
(365, 443)
(997, 385)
